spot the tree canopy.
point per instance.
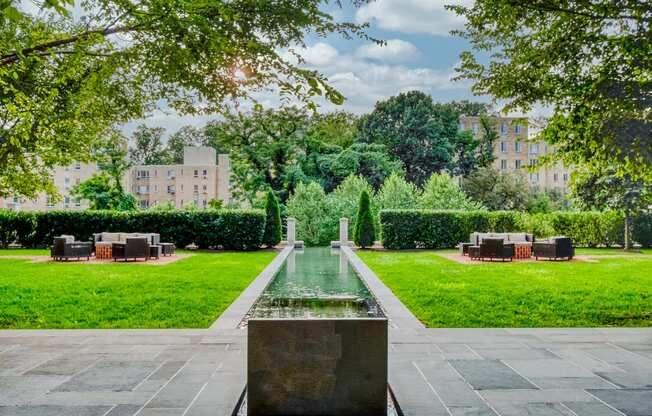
(591, 61)
(66, 76)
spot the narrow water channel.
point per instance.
(316, 282)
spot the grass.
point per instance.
(189, 293)
(443, 293)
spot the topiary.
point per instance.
(272, 235)
(364, 233)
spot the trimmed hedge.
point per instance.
(228, 229)
(408, 229)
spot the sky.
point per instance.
(420, 55)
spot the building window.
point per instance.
(475, 127)
(171, 174)
(517, 147)
(142, 174)
(196, 174)
(66, 183)
(77, 181)
(204, 173)
(155, 188)
(534, 177)
(204, 203)
(77, 165)
(517, 128)
(555, 177)
(66, 202)
(504, 128)
(534, 148)
(204, 187)
(503, 164)
(565, 177)
(171, 189)
(144, 203)
(181, 187)
(518, 163)
(195, 188)
(532, 162)
(49, 202)
(77, 202)
(143, 189)
(503, 147)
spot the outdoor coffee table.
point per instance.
(103, 250)
(522, 250)
(167, 249)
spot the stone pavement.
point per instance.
(454, 372)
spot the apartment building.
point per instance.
(64, 177)
(198, 180)
(516, 148)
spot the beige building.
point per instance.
(198, 180)
(515, 149)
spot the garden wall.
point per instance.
(406, 229)
(228, 229)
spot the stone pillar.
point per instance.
(344, 231)
(291, 226)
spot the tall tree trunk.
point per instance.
(628, 243)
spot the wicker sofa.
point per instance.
(152, 238)
(554, 248)
(132, 248)
(475, 239)
(65, 248)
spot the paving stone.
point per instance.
(110, 376)
(630, 402)
(162, 412)
(642, 379)
(413, 395)
(488, 374)
(513, 397)
(547, 368)
(219, 410)
(458, 352)
(88, 398)
(176, 395)
(14, 363)
(591, 409)
(583, 359)
(64, 365)
(17, 390)
(571, 383)
(124, 410)
(482, 410)
(53, 410)
(513, 353)
(224, 390)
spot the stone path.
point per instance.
(454, 372)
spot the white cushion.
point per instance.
(111, 237)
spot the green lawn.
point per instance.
(190, 293)
(443, 293)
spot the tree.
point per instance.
(466, 153)
(368, 160)
(607, 190)
(364, 234)
(72, 78)
(102, 193)
(343, 202)
(442, 192)
(308, 205)
(489, 135)
(498, 190)
(589, 61)
(470, 108)
(337, 128)
(148, 149)
(272, 235)
(185, 136)
(414, 131)
(397, 193)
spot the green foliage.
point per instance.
(309, 207)
(185, 136)
(364, 234)
(642, 226)
(405, 229)
(215, 203)
(272, 235)
(65, 80)
(149, 149)
(343, 203)
(397, 193)
(442, 192)
(337, 128)
(589, 61)
(498, 190)
(103, 192)
(229, 229)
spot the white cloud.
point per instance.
(319, 54)
(412, 16)
(395, 50)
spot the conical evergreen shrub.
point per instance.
(364, 233)
(272, 235)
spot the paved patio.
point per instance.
(582, 372)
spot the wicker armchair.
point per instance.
(66, 248)
(554, 248)
(496, 248)
(133, 248)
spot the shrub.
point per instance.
(229, 229)
(272, 235)
(404, 229)
(343, 203)
(309, 207)
(7, 229)
(364, 234)
(442, 192)
(642, 230)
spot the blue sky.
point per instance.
(420, 54)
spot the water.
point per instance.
(316, 283)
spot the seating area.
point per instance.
(520, 246)
(112, 246)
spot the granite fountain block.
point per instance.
(317, 367)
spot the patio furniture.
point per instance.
(554, 248)
(474, 252)
(522, 250)
(103, 250)
(155, 251)
(476, 238)
(66, 248)
(496, 248)
(167, 249)
(132, 248)
(464, 248)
